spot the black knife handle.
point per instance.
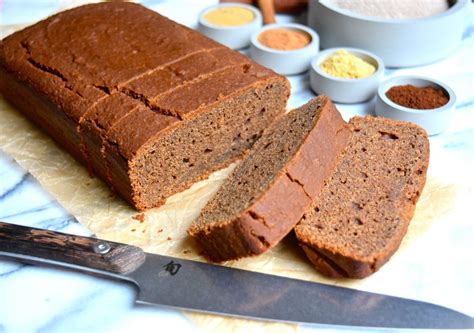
(76, 250)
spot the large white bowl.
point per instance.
(343, 90)
(434, 121)
(399, 42)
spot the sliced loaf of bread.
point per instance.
(267, 194)
(360, 217)
(147, 104)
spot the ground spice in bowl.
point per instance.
(229, 16)
(284, 39)
(417, 97)
(346, 65)
(394, 9)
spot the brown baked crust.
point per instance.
(109, 80)
(48, 115)
(352, 233)
(280, 206)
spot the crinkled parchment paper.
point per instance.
(163, 230)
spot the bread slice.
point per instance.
(361, 215)
(267, 194)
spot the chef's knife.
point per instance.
(211, 288)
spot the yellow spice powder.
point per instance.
(229, 16)
(346, 65)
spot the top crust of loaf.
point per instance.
(277, 204)
(88, 55)
(361, 215)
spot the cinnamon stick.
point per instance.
(281, 6)
(268, 11)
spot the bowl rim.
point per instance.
(295, 26)
(458, 6)
(327, 52)
(387, 84)
(257, 16)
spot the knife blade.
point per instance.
(218, 289)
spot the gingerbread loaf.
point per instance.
(267, 194)
(360, 217)
(147, 104)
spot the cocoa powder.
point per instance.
(417, 97)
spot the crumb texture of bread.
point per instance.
(148, 105)
(361, 215)
(266, 195)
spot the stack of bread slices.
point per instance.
(347, 190)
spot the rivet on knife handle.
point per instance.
(77, 250)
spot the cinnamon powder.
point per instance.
(417, 97)
(284, 39)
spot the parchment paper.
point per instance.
(163, 230)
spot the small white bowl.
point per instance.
(434, 121)
(235, 37)
(285, 62)
(343, 90)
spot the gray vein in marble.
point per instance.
(41, 211)
(15, 187)
(79, 305)
(28, 210)
(461, 140)
(57, 224)
(15, 270)
(467, 104)
(469, 32)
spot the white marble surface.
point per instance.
(34, 299)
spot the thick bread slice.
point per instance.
(267, 194)
(361, 215)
